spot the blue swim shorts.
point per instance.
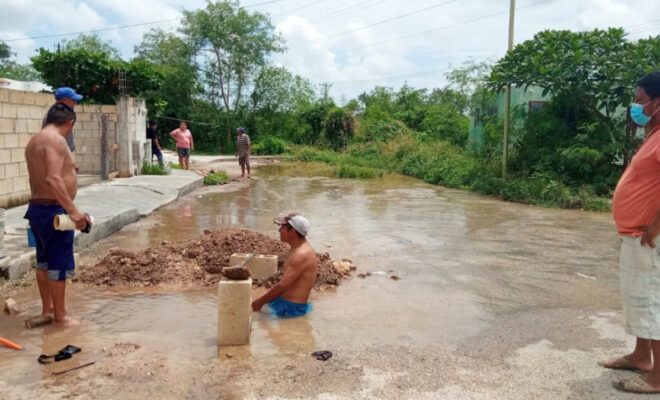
(54, 248)
(288, 309)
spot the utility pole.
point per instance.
(507, 95)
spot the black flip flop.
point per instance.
(322, 355)
(61, 355)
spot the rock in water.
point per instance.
(236, 273)
(11, 307)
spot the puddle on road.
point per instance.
(462, 259)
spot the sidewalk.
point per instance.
(113, 204)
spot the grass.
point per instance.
(174, 166)
(216, 178)
(153, 169)
(441, 163)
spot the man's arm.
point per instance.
(155, 140)
(292, 272)
(192, 143)
(651, 231)
(54, 162)
(173, 135)
(247, 150)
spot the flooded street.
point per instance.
(495, 300)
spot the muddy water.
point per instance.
(464, 262)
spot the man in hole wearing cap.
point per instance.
(289, 297)
(66, 95)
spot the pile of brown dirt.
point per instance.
(199, 261)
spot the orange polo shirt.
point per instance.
(636, 198)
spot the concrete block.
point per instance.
(5, 186)
(23, 139)
(23, 169)
(109, 109)
(234, 312)
(262, 266)
(5, 156)
(30, 98)
(45, 100)
(11, 140)
(81, 116)
(2, 172)
(12, 170)
(17, 155)
(34, 125)
(4, 95)
(37, 112)
(20, 184)
(6, 125)
(23, 111)
(90, 108)
(21, 126)
(8, 110)
(16, 96)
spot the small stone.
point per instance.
(229, 355)
(11, 307)
(394, 278)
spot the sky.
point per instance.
(352, 44)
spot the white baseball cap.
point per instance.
(296, 221)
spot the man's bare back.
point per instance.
(50, 145)
(304, 259)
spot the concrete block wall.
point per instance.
(21, 114)
(87, 134)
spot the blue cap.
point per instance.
(67, 92)
(240, 129)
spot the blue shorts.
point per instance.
(54, 248)
(288, 309)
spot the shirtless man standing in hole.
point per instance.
(289, 298)
(53, 186)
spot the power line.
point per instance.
(92, 30)
(434, 29)
(299, 8)
(385, 21)
(435, 71)
(347, 10)
(122, 26)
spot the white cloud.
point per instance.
(314, 31)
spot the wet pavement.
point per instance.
(495, 300)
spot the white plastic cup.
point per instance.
(63, 222)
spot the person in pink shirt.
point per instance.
(636, 212)
(184, 144)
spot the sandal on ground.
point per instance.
(620, 363)
(635, 385)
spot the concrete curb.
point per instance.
(142, 189)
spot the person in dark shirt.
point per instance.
(152, 133)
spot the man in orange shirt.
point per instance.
(636, 211)
(184, 144)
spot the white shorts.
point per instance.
(639, 270)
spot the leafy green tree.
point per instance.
(466, 88)
(235, 43)
(278, 90)
(11, 70)
(93, 44)
(93, 74)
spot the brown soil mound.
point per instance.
(199, 261)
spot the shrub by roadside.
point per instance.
(153, 169)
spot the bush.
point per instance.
(153, 169)
(270, 146)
